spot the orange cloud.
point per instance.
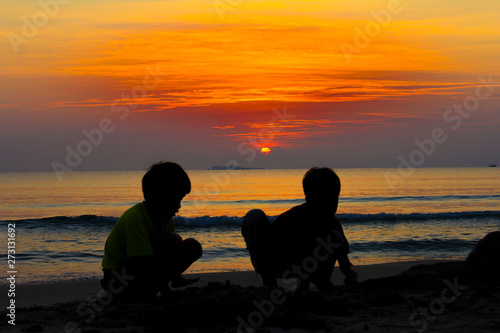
(224, 127)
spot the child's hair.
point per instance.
(320, 181)
(164, 179)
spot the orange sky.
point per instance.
(215, 72)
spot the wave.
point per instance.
(390, 217)
(425, 245)
(256, 202)
(89, 221)
(95, 221)
(420, 198)
(207, 221)
(356, 199)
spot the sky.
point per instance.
(120, 85)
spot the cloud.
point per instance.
(9, 106)
(223, 127)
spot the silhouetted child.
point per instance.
(304, 242)
(143, 254)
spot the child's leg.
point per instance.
(256, 230)
(190, 252)
(177, 254)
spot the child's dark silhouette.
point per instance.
(305, 241)
(143, 254)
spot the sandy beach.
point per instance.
(428, 296)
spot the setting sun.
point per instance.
(265, 150)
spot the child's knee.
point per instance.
(172, 238)
(255, 214)
(193, 248)
(255, 221)
(168, 244)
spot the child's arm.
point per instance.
(347, 268)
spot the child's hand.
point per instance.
(351, 277)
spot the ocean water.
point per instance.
(388, 215)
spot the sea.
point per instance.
(388, 215)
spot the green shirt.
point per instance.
(131, 236)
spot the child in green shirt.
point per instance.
(143, 254)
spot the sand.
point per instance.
(430, 297)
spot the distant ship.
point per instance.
(492, 165)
